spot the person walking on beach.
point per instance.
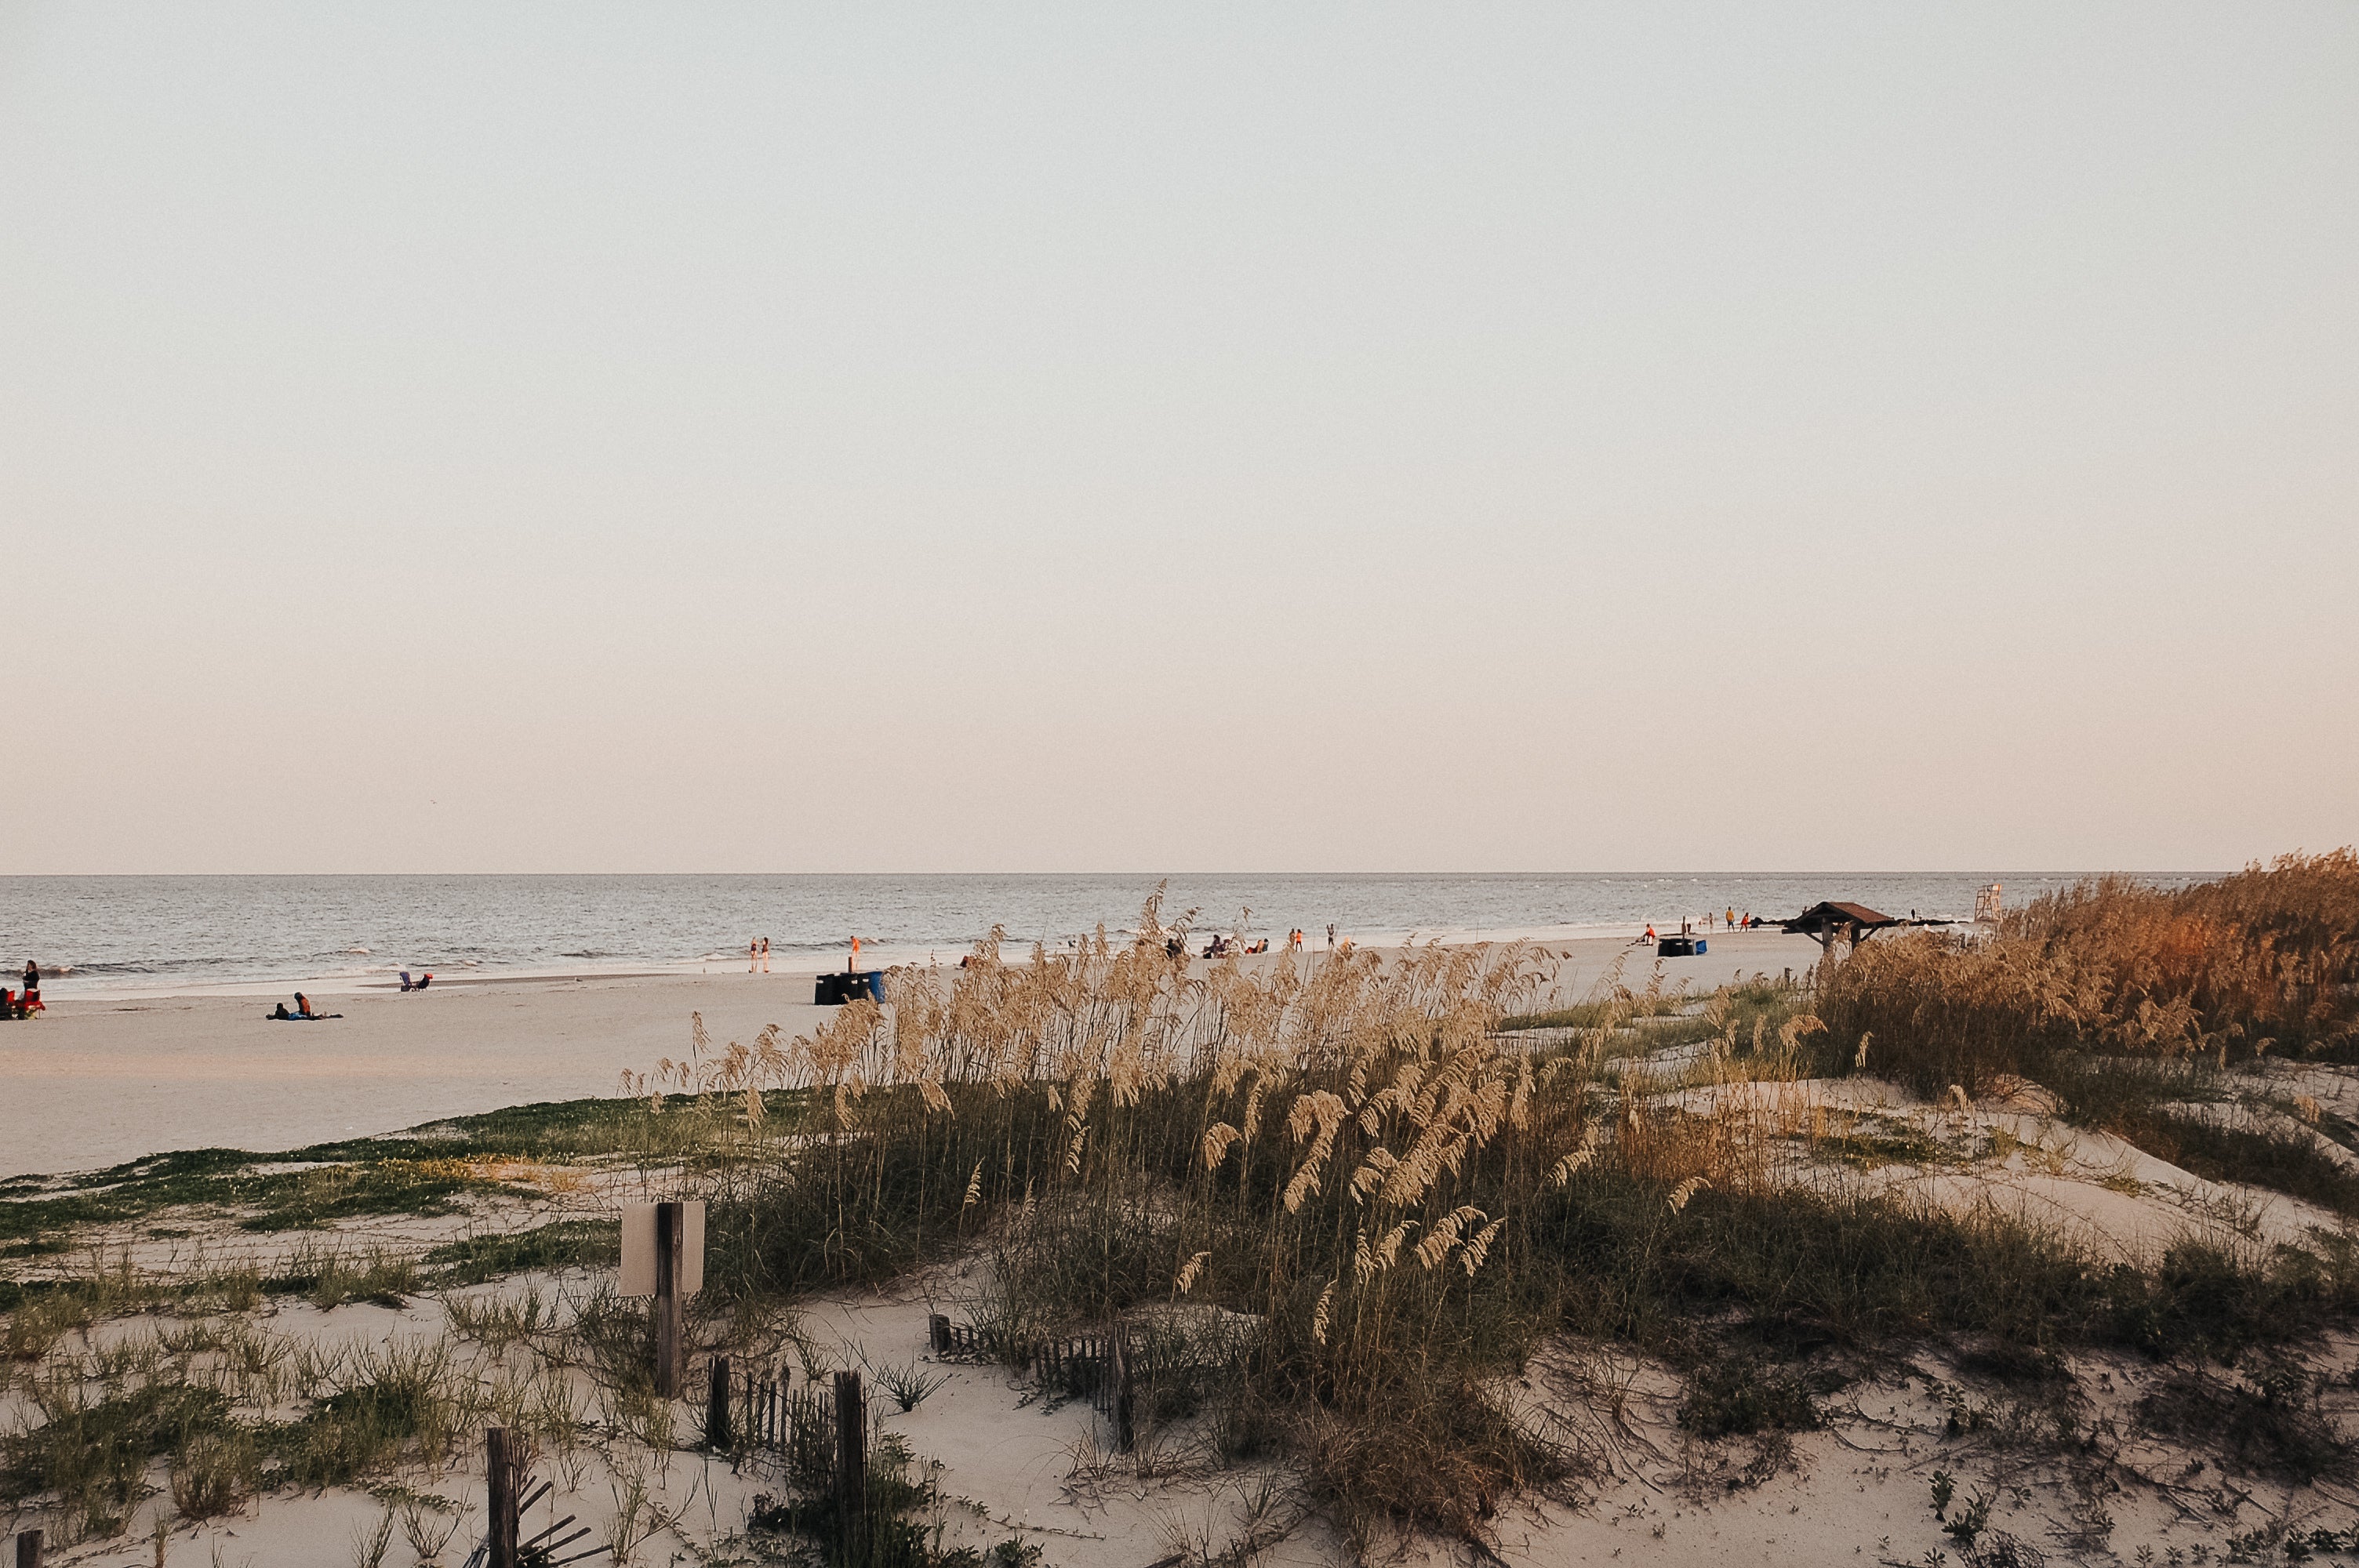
(766, 955)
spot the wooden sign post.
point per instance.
(668, 1240)
(663, 1256)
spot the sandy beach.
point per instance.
(1885, 1225)
(96, 1082)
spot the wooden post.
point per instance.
(938, 1332)
(852, 1465)
(717, 1406)
(669, 1244)
(28, 1549)
(500, 1487)
(1125, 1432)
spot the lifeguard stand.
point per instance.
(1987, 905)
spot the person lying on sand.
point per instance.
(302, 1014)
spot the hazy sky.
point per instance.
(759, 438)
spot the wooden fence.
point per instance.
(765, 1408)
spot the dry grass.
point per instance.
(2263, 960)
(1353, 1155)
(1394, 1199)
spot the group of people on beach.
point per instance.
(1728, 920)
(27, 1002)
(758, 951)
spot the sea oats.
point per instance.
(1473, 1254)
(1217, 1139)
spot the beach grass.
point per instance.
(1376, 1200)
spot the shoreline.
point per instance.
(66, 985)
(96, 1082)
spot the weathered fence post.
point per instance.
(852, 1464)
(668, 1241)
(717, 1406)
(1125, 1432)
(500, 1487)
(938, 1333)
(28, 1549)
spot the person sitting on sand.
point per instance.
(303, 1006)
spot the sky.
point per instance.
(513, 438)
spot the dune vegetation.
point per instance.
(1388, 1186)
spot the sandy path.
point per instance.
(95, 1082)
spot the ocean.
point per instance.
(119, 936)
